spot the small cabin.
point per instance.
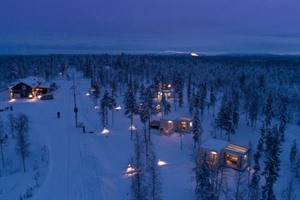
(183, 124)
(166, 126)
(223, 153)
(165, 89)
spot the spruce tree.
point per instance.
(139, 190)
(197, 129)
(272, 162)
(105, 103)
(235, 108)
(22, 137)
(283, 119)
(202, 98)
(228, 124)
(130, 107)
(212, 100)
(268, 111)
(204, 185)
(253, 111)
(154, 182)
(189, 88)
(3, 139)
(294, 158)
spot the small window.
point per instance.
(24, 87)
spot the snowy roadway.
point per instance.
(75, 172)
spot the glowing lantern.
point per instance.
(132, 127)
(105, 131)
(161, 163)
(130, 171)
(118, 108)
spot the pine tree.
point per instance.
(222, 115)
(293, 152)
(272, 162)
(228, 125)
(139, 189)
(268, 111)
(197, 130)
(253, 111)
(3, 139)
(235, 108)
(283, 119)
(189, 88)
(255, 180)
(178, 89)
(130, 107)
(204, 185)
(22, 143)
(144, 110)
(150, 93)
(212, 99)
(262, 83)
(105, 103)
(294, 158)
(154, 183)
(202, 98)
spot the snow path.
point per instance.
(73, 171)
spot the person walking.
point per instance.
(58, 114)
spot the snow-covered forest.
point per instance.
(250, 100)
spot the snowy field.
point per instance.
(65, 164)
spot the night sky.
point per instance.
(114, 26)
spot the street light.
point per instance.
(75, 103)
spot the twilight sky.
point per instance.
(114, 26)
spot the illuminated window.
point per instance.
(232, 160)
(213, 157)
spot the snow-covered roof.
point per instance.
(185, 118)
(214, 144)
(32, 81)
(236, 148)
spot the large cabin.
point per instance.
(223, 153)
(27, 88)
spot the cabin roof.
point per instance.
(31, 81)
(185, 118)
(234, 148)
(214, 144)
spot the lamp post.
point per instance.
(75, 103)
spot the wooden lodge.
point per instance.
(28, 88)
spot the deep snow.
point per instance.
(77, 166)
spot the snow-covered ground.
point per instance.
(76, 166)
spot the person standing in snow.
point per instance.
(58, 114)
(83, 129)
